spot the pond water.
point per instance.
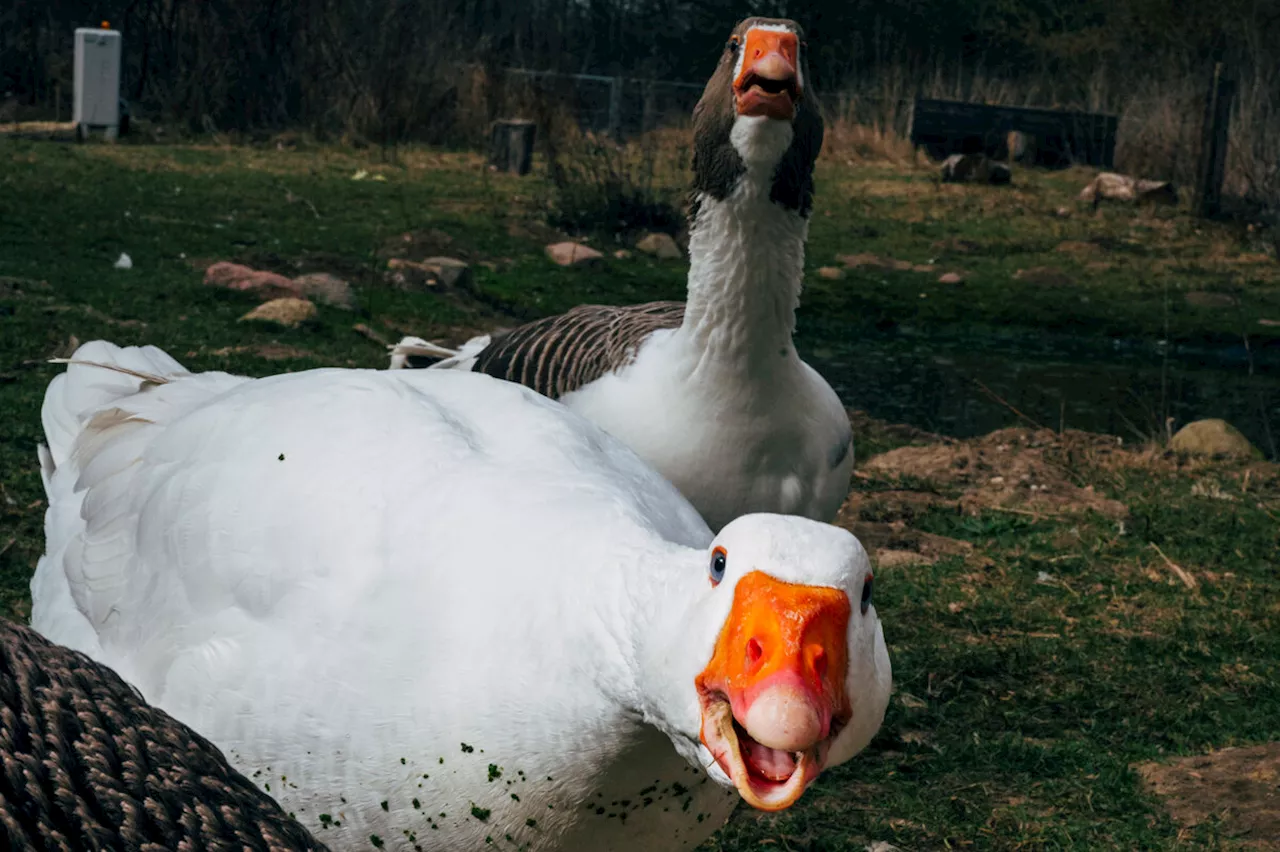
(965, 383)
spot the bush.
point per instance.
(598, 184)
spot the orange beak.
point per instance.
(768, 83)
(773, 694)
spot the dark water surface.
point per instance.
(934, 380)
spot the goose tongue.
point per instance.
(771, 763)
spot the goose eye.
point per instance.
(718, 558)
(867, 586)
(732, 46)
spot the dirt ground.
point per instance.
(1240, 787)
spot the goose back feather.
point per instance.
(86, 763)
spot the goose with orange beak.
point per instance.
(766, 79)
(434, 608)
(799, 677)
(710, 391)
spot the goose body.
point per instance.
(87, 764)
(438, 609)
(711, 392)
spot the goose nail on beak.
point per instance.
(773, 696)
(768, 83)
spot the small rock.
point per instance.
(572, 254)
(265, 285)
(325, 288)
(660, 245)
(853, 261)
(830, 273)
(432, 272)
(288, 312)
(1109, 186)
(123, 262)
(951, 278)
(449, 271)
(1213, 437)
(409, 274)
(1201, 299)
(622, 254)
(1062, 213)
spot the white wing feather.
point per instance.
(255, 511)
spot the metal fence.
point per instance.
(623, 107)
(617, 106)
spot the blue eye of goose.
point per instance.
(718, 559)
(867, 586)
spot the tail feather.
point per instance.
(410, 348)
(98, 374)
(416, 347)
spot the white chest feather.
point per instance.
(723, 406)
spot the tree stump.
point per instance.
(511, 145)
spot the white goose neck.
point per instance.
(672, 641)
(746, 258)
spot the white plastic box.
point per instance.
(97, 79)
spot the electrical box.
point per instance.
(97, 79)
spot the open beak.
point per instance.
(769, 83)
(773, 697)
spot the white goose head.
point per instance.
(790, 674)
(757, 119)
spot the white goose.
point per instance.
(437, 609)
(711, 392)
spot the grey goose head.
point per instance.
(758, 114)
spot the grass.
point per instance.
(1021, 703)
(1022, 700)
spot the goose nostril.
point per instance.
(820, 662)
(754, 652)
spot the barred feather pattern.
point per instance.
(86, 763)
(558, 355)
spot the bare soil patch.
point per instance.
(882, 522)
(1015, 469)
(1238, 786)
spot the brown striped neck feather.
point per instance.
(757, 135)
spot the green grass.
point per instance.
(1123, 272)
(1020, 706)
